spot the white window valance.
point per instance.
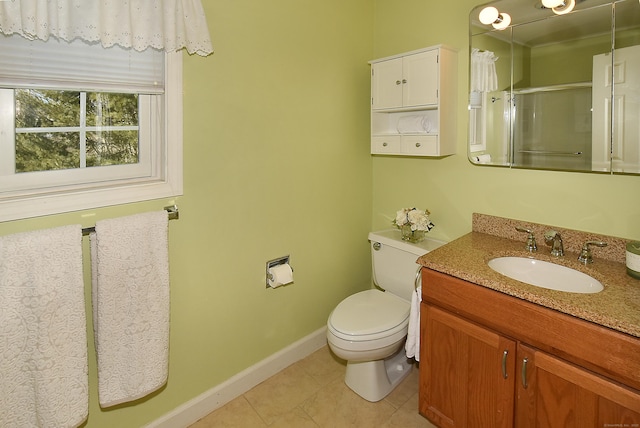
(169, 25)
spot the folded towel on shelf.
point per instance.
(130, 281)
(412, 345)
(43, 329)
(414, 124)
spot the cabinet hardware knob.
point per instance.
(504, 363)
(404, 80)
(524, 373)
(398, 82)
(384, 144)
(418, 144)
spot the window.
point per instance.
(82, 126)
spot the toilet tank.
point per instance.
(394, 261)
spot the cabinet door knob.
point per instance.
(418, 144)
(384, 144)
(404, 80)
(398, 82)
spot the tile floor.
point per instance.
(312, 393)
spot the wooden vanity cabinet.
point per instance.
(491, 360)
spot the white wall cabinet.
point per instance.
(413, 103)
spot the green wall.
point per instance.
(277, 162)
(452, 188)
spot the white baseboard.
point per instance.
(197, 408)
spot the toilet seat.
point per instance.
(369, 315)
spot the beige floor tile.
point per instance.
(324, 366)
(312, 394)
(237, 413)
(282, 393)
(297, 418)
(407, 388)
(407, 416)
(336, 406)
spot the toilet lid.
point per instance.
(369, 312)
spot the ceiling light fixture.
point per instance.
(559, 7)
(500, 21)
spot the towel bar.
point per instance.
(172, 213)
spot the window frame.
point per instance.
(164, 181)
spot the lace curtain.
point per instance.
(168, 25)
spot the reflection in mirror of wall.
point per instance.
(557, 87)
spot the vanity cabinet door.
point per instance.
(467, 372)
(556, 394)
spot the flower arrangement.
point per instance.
(413, 223)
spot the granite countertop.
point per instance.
(616, 307)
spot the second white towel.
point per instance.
(412, 345)
(130, 277)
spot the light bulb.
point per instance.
(565, 7)
(502, 22)
(550, 4)
(488, 15)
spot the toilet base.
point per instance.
(374, 380)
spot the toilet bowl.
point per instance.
(368, 329)
(365, 329)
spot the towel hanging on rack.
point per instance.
(130, 281)
(412, 345)
(43, 329)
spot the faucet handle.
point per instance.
(531, 240)
(585, 256)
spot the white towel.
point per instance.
(414, 124)
(130, 278)
(412, 345)
(43, 330)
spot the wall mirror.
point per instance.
(555, 84)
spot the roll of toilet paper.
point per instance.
(280, 275)
(486, 158)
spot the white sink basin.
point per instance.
(546, 275)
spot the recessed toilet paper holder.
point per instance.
(276, 262)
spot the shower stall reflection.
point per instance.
(550, 127)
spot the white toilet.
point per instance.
(368, 329)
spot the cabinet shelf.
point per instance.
(418, 89)
(405, 109)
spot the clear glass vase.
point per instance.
(413, 236)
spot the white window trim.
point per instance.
(160, 185)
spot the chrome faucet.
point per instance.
(585, 256)
(531, 240)
(557, 249)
